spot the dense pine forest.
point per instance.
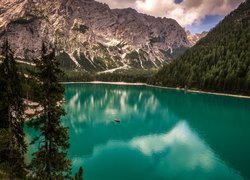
(12, 144)
(219, 62)
(131, 76)
(41, 87)
(127, 75)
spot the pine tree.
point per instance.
(50, 161)
(11, 117)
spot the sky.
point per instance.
(194, 15)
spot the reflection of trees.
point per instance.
(106, 101)
(223, 122)
(92, 109)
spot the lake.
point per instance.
(136, 132)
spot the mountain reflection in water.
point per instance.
(162, 134)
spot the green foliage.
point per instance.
(132, 55)
(81, 28)
(102, 47)
(157, 39)
(100, 65)
(5, 169)
(178, 52)
(65, 61)
(25, 19)
(29, 88)
(12, 142)
(2, 33)
(50, 161)
(121, 45)
(59, 33)
(132, 76)
(77, 76)
(134, 59)
(218, 62)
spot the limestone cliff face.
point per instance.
(90, 35)
(194, 38)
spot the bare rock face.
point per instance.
(90, 35)
(194, 38)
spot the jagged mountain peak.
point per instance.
(89, 34)
(193, 38)
(218, 62)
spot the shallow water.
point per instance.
(162, 134)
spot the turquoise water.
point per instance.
(162, 134)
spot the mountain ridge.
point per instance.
(220, 62)
(89, 35)
(193, 38)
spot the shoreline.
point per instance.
(111, 83)
(160, 87)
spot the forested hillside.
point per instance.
(218, 62)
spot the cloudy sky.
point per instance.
(194, 15)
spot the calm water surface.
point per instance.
(162, 134)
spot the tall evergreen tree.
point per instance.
(50, 161)
(11, 117)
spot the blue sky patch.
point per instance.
(208, 23)
(178, 1)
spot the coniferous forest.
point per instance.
(12, 144)
(122, 119)
(220, 62)
(42, 87)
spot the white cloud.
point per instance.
(186, 13)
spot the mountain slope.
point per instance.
(194, 38)
(218, 62)
(90, 35)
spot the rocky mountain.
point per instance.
(89, 35)
(219, 62)
(194, 38)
